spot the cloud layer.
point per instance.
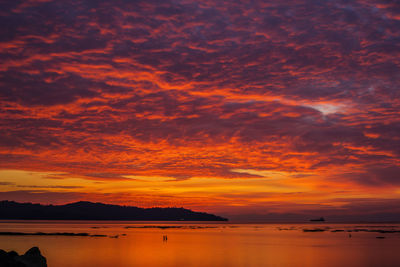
(107, 90)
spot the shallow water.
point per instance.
(206, 244)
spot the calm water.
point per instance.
(202, 244)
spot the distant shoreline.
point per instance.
(84, 210)
(112, 221)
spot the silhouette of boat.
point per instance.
(318, 220)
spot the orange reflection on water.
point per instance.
(205, 245)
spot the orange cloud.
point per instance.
(262, 106)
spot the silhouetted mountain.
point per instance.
(98, 211)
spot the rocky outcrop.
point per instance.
(32, 258)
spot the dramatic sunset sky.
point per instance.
(240, 108)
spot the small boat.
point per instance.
(318, 220)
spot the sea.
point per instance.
(127, 243)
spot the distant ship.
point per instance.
(318, 220)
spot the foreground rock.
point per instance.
(32, 258)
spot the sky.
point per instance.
(248, 109)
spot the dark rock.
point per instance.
(12, 254)
(314, 230)
(32, 258)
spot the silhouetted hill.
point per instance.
(10, 210)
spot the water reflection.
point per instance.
(166, 244)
